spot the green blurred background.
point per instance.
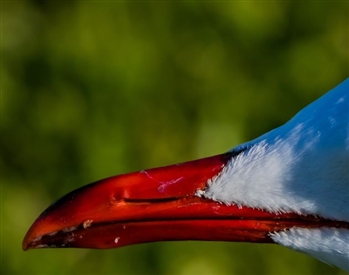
(92, 89)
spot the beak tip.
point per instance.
(25, 245)
(32, 238)
(27, 242)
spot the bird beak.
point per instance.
(158, 204)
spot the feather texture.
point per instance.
(301, 167)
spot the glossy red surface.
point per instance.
(155, 205)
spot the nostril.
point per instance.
(119, 195)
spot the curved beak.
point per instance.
(151, 205)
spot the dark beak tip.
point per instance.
(27, 243)
(26, 246)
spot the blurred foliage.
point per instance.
(91, 89)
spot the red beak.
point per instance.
(152, 205)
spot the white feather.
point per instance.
(301, 167)
(334, 243)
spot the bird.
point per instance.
(289, 186)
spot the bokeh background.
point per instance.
(90, 89)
